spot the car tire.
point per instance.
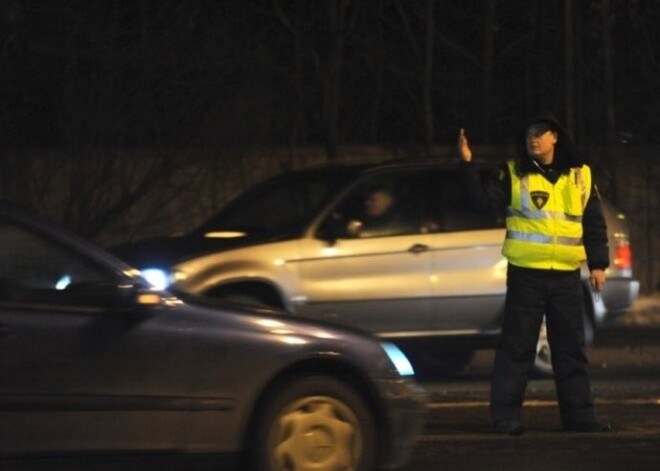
(247, 294)
(543, 360)
(316, 422)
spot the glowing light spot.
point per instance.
(63, 282)
(156, 277)
(224, 234)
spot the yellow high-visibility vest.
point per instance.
(544, 221)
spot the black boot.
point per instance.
(509, 427)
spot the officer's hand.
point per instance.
(597, 280)
(463, 147)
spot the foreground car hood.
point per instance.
(282, 337)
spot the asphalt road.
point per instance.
(625, 366)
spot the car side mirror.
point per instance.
(331, 229)
(337, 227)
(102, 294)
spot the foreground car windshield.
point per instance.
(278, 205)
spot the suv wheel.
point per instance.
(543, 361)
(438, 362)
(247, 294)
(243, 300)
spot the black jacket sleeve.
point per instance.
(493, 193)
(594, 230)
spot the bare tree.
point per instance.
(609, 103)
(112, 81)
(427, 98)
(490, 27)
(569, 70)
(340, 21)
(292, 23)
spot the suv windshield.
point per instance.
(281, 204)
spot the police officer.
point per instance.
(554, 223)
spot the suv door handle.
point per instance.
(418, 248)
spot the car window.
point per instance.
(384, 205)
(37, 269)
(423, 201)
(449, 206)
(277, 205)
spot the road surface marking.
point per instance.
(544, 403)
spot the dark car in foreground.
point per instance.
(93, 360)
(431, 279)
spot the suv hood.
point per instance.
(168, 251)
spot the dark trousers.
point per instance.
(531, 294)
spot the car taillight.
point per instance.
(623, 256)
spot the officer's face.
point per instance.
(541, 143)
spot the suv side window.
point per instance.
(275, 206)
(35, 269)
(388, 204)
(448, 204)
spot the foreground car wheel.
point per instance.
(316, 423)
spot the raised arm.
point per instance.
(463, 146)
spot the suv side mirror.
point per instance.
(337, 227)
(331, 228)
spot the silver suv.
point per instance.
(428, 275)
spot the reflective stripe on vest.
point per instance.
(547, 234)
(528, 214)
(542, 239)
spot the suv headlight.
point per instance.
(398, 359)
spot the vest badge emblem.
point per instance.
(540, 198)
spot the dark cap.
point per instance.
(566, 156)
(538, 128)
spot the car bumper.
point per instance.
(406, 404)
(618, 296)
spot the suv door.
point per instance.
(468, 270)
(374, 277)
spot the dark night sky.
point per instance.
(212, 73)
